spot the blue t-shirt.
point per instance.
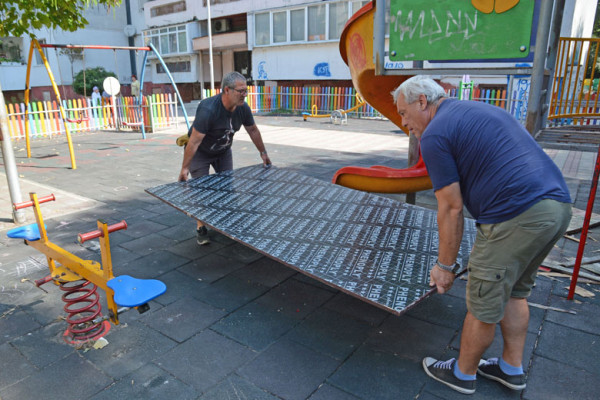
(502, 171)
(218, 124)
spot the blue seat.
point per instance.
(133, 292)
(28, 232)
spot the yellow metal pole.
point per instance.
(28, 144)
(107, 270)
(60, 105)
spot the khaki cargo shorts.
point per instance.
(506, 256)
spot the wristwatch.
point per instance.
(450, 268)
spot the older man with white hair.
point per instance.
(480, 157)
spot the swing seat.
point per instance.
(78, 121)
(28, 232)
(133, 292)
(132, 123)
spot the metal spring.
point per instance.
(80, 319)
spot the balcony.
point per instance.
(222, 41)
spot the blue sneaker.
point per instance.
(443, 371)
(490, 369)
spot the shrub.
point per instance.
(93, 77)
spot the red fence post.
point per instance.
(586, 226)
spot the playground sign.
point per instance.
(460, 29)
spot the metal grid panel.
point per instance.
(369, 246)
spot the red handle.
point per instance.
(25, 204)
(84, 237)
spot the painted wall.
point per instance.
(319, 61)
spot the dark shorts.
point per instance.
(202, 162)
(506, 256)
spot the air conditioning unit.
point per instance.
(221, 25)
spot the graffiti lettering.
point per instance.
(435, 27)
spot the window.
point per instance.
(169, 8)
(38, 57)
(262, 28)
(280, 27)
(357, 5)
(316, 22)
(338, 15)
(178, 66)
(297, 25)
(170, 40)
(311, 23)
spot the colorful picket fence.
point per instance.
(156, 111)
(286, 99)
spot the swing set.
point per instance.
(78, 114)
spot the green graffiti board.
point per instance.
(459, 29)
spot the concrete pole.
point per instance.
(210, 50)
(10, 165)
(534, 109)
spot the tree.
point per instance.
(93, 77)
(20, 17)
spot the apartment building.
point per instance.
(283, 42)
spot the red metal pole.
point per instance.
(25, 204)
(84, 237)
(586, 226)
(91, 46)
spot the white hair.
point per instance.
(413, 87)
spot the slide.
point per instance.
(356, 48)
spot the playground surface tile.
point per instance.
(234, 323)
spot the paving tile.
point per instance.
(210, 267)
(235, 387)
(183, 318)
(570, 346)
(255, 326)
(328, 392)
(172, 217)
(295, 298)
(585, 320)
(44, 346)
(554, 380)
(240, 253)
(265, 271)
(410, 338)
(179, 286)
(142, 227)
(19, 368)
(448, 311)
(150, 266)
(289, 370)
(180, 232)
(130, 347)
(230, 293)
(330, 333)
(348, 305)
(147, 243)
(205, 359)
(83, 381)
(16, 323)
(192, 251)
(371, 374)
(148, 382)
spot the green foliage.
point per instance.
(93, 77)
(18, 17)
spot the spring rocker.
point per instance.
(80, 279)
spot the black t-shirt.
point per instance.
(218, 124)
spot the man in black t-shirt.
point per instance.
(211, 135)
